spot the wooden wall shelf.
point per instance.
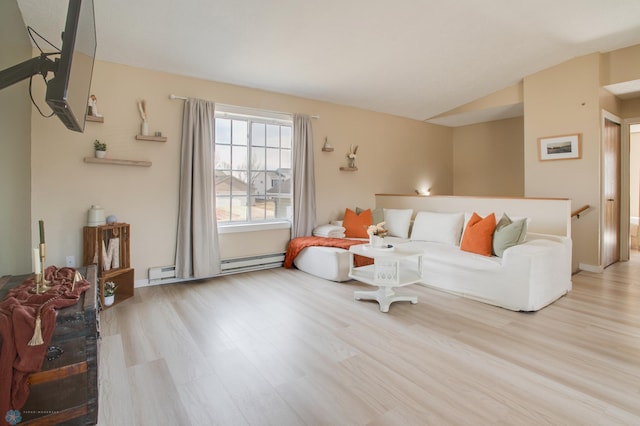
(327, 149)
(151, 138)
(117, 162)
(95, 119)
(349, 169)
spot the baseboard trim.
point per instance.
(590, 268)
(146, 283)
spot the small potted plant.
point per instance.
(101, 148)
(109, 292)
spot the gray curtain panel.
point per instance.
(304, 180)
(197, 253)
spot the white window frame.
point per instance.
(261, 116)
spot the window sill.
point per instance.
(252, 227)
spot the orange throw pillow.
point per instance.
(478, 236)
(356, 224)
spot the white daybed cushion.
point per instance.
(436, 227)
(330, 263)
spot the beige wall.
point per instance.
(488, 158)
(15, 149)
(396, 155)
(631, 108)
(508, 96)
(610, 103)
(620, 65)
(568, 98)
(559, 101)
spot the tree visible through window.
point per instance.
(253, 168)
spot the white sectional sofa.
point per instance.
(528, 276)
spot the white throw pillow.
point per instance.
(438, 227)
(397, 222)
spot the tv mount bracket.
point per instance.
(38, 65)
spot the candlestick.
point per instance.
(41, 225)
(36, 261)
(41, 281)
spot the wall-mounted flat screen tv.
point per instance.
(68, 91)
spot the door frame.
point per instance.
(625, 184)
(623, 214)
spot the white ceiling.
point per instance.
(412, 58)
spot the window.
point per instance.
(253, 166)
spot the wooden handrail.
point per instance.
(580, 210)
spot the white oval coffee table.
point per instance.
(392, 268)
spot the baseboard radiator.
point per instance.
(167, 274)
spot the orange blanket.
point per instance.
(20, 313)
(297, 244)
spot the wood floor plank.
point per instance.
(115, 405)
(259, 402)
(207, 402)
(154, 396)
(283, 347)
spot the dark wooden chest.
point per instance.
(65, 391)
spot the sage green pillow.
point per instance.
(508, 233)
(376, 214)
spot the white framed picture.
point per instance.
(562, 147)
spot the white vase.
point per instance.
(108, 300)
(101, 154)
(376, 241)
(144, 128)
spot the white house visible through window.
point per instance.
(253, 166)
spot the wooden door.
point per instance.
(611, 231)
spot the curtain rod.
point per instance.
(184, 98)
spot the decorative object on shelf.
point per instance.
(158, 134)
(377, 234)
(93, 107)
(100, 148)
(327, 146)
(111, 253)
(95, 216)
(144, 127)
(111, 219)
(109, 293)
(351, 156)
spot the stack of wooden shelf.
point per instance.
(96, 241)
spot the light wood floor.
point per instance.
(282, 347)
